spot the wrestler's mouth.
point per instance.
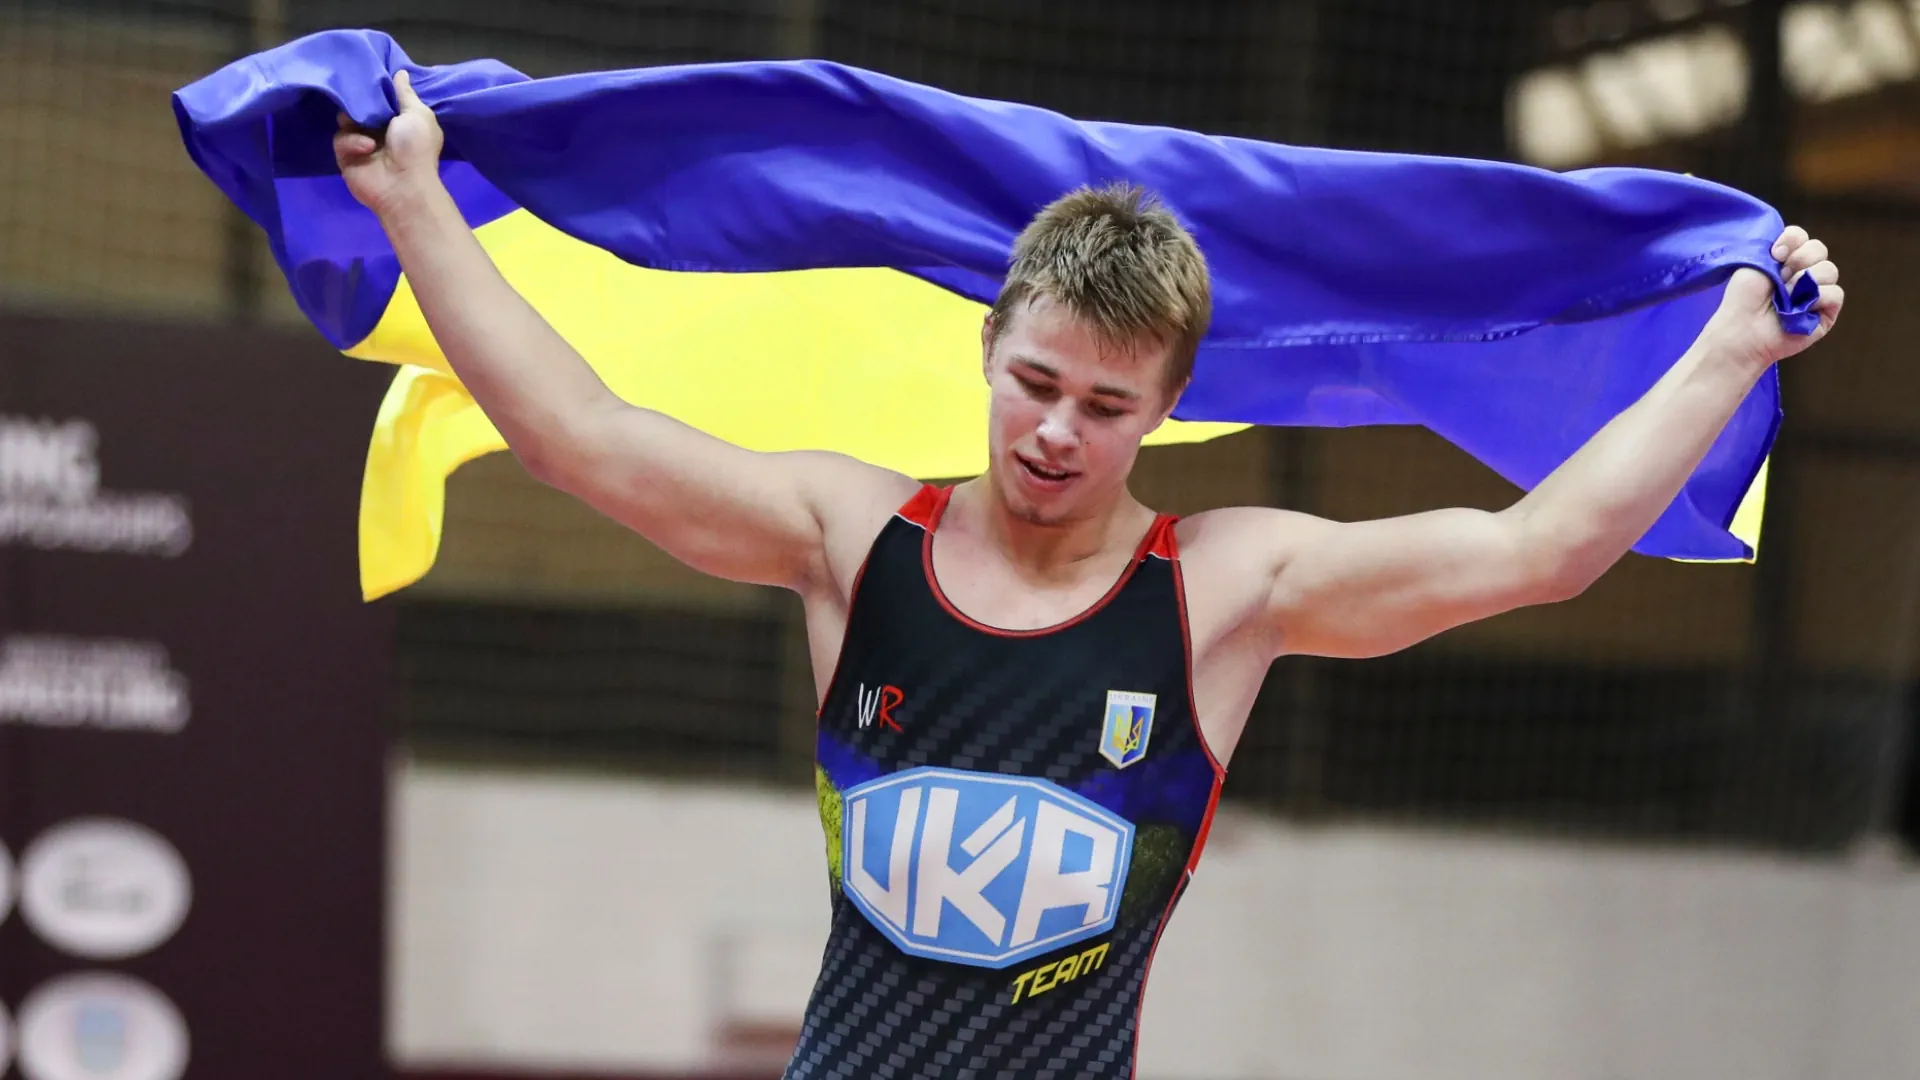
(1046, 475)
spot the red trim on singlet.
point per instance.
(1147, 543)
(916, 510)
(1162, 543)
(1167, 546)
(1193, 705)
(926, 506)
(846, 631)
(1160, 932)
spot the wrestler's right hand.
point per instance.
(385, 168)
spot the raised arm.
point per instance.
(727, 511)
(1369, 588)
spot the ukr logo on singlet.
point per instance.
(1126, 727)
(979, 868)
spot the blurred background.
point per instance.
(550, 811)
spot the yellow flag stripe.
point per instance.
(873, 363)
(1747, 517)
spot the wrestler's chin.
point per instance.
(1033, 515)
(1047, 511)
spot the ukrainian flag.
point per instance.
(798, 255)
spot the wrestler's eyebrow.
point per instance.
(1099, 389)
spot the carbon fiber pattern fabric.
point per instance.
(919, 684)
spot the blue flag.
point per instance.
(797, 254)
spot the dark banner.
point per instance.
(193, 707)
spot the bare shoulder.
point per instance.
(1230, 559)
(851, 500)
(1239, 538)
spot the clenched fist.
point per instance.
(383, 168)
(1746, 324)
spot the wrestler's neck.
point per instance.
(1106, 524)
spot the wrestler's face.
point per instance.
(1067, 412)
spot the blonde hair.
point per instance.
(1118, 259)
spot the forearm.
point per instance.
(1597, 504)
(1366, 588)
(533, 385)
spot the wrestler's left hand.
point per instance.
(1747, 328)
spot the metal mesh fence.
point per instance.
(1764, 705)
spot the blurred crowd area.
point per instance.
(1768, 706)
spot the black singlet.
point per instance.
(1010, 820)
